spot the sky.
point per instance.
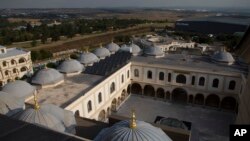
(122, 3)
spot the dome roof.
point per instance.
(70, 66)
(113, 47)
(153, 51)
(87, 58)
(121, 131)
(10, 105)
(223, 57)
(47, 76)
(125, 48)
(101, 52)
(19, 89)
(40, 117)
(136, 50)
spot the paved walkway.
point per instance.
(207, 124)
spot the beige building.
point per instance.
(14, 64)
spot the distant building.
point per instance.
(14, 64)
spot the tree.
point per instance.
(33, 43)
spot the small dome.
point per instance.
(223, 57)
(125, 48)
(10, 105)
(47, 76)
(121, 131)
(113, 47)
(40, 117)
(88, 58)
(136, 50)
(101, 52)
(19, 89)
(70, 66)
(154, 51)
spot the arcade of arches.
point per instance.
(180, 95)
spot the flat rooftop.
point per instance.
(13, 52)
(207, 124)
(191, 62)
(72, 88)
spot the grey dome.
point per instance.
(121, 131)
(10, 105)
(223, 57)
(113, 47)
(19, 89)
(153, 51)
(47, 76)
(88, 58)
(136, 50)
(70, 66)
(101, 52)
(125, 48)
(40, 117)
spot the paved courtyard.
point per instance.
(207, 124)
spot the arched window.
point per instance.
(161, 76)
(4, 63)
(128, 74)
(136, 73)
(232, 84)
(215, 83)
(149, 74)
(181, 79)
(112, 88)
(23, 69)
(12, 62)
(21, 60)
(100, 97)
(193, 80)
(14, 70)
(169, 77)
(122, 78)
(202, 81)
(89, 106)
(6, 72)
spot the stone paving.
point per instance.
(207, 124)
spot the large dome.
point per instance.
(88, 58)
(10, 105)
(47, 76)
(153, 51)
(19, 89)
(125, 48)
(223, 57)
(113, 47)
(101, 52)
(70, 66)
(136, 50)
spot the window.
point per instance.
(99, 97)
(169, 77)
(112, 88)
(6, 72)
(21, 60)
(193, 80)
(4, 63)
(122, 78)
(202, 81)
(89, 106)
(23, 69)
(128, 74)
(149, 74)
(215, 83)
(181, 79)
(14, 70)
(12, 62)
(161, 76)
(136, 73)
(232, 84)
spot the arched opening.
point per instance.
(169, 77)
(102, 116)
(232, 84)
(149, 91)
(202, 81)
(128, 89)
(23, 69)
(77, 113)
(112, 87)
(15, 70)
(21, 60)
(136, 73)
(108, 112)
(168, 94)
(128, 74)
(181, 79)
(160, 93)
(122, 78)
(179, 95)
(118, 101)
(13, 62)
(114, 105)
(149, 75)
(161, 76)
(136, 88)
(4, 63)
(6, 72)
(89, 106)
(123, 95)
(190, 99)
(228, 103)
(193, 80)
(199, 99)
(215, 83)
(213, 100)
(100, 97)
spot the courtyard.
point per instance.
(207, 124)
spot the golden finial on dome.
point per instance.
(36, 105)
(133, 120)
(100, 45)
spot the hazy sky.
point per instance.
(121, 3)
